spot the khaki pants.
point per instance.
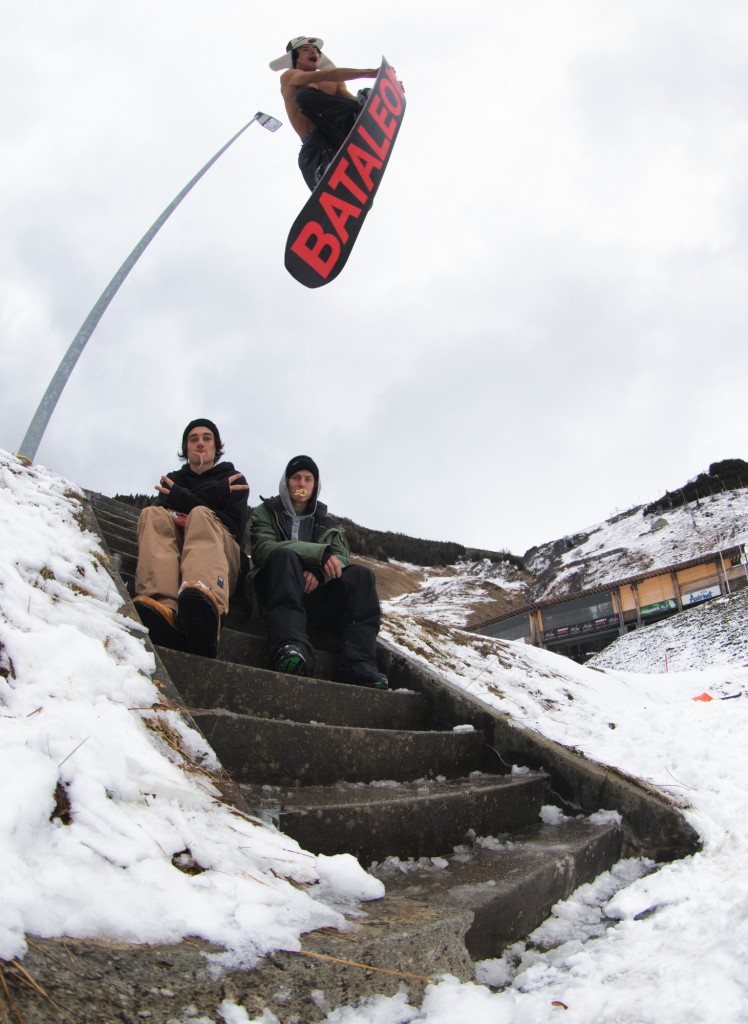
(168, 555)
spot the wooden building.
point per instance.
(578, 625)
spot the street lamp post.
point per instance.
(38, 425)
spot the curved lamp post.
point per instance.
(38, 425)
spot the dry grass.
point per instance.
(392, 580)
(14, 976)
(154, 720)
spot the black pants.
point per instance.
(348, 607)
(332, 117)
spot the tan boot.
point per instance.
(161, 623)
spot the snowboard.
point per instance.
(325, 231)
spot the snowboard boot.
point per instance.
(199, 619)
(289, 658)
(161, 623)
(375, 680)
(365, 676)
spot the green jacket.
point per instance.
(271, 528)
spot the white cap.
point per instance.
(286, 61)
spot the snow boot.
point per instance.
(199, 619)
(289, 658)
(161, 623)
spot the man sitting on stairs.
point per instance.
(189, 545)
(302, 574)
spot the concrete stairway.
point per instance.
(418, 775)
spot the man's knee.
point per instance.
(152, 513)
(203, 524)
(155, 519)
(283, 564)
(283, 557)
(201, 513)
(360, 597)
(359, 578)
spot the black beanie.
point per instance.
(201, 422)
(299, 462)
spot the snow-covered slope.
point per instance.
(709, 634)
(464, 592)
(632, 543)
(102, 821)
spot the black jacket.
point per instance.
(210, 488)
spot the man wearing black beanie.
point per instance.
(302, 575)
(189, 545)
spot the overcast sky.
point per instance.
(543, 321)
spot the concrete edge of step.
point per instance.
(654, 825)
(509, 890)
(304, 984)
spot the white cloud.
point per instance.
(551, 282)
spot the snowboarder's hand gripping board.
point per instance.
(323, 234)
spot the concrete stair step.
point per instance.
(123, 541)
(261, 693)
(243, 648)
(412, 819)
(502, 892)
(111, 510)
(287, 753)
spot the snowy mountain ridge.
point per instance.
(628, 544)
(633, 542)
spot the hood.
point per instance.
(285, 498)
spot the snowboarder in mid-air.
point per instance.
(320, 108)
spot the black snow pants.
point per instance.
(348, 607)
(332, 117)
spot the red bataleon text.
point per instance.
(323, 234)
